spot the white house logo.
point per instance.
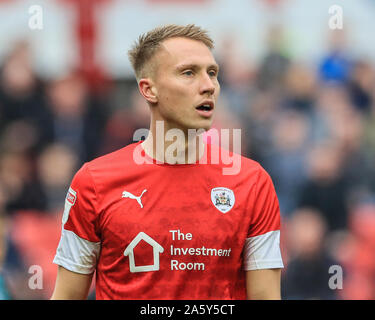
(223, 199)
(129, 195)
(157, 249)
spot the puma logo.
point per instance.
(129, 195)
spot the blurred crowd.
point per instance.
(311, 125)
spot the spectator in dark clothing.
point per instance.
(300, 88)
(21, 93)
(286, 160)
(307, 272)
(275, 64)
(326, 189)
(74, 118)
(361, 86)
(20, 186)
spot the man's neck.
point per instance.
(174, 146)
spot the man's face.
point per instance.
(186, 84)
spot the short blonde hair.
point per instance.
(147, 44)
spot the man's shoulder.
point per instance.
(123, 154)
(114, 160)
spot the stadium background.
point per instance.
(302, 94)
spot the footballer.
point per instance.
(174, 227)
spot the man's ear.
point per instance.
(148, 90)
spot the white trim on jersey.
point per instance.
(263, 252)
(77, 254)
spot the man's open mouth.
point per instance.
(206, 106)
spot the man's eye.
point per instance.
(188, 73)
(212, 73)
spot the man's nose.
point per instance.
(207, 85)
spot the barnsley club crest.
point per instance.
(223, 199)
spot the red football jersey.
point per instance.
(161, 231)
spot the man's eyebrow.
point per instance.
(187, 66)
(196, 66)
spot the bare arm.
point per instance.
(263, 284)
(71, 285)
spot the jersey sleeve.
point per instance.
(262, 245)
(79, 245)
